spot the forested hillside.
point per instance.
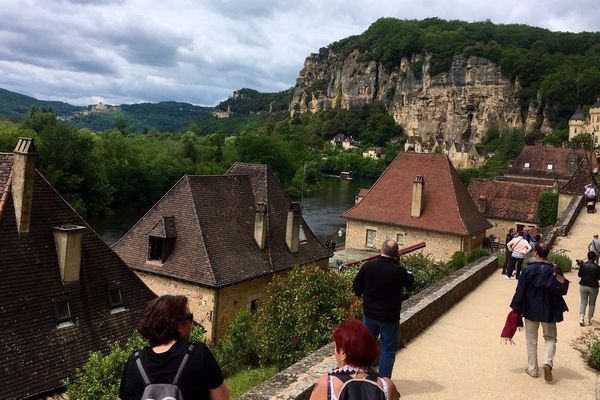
(248, 101)
(16, 106)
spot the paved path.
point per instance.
(461, 356)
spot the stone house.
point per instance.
(463, 155)
(579, 124)
(220, 240)
(63, 292)
(414, 143)
(418, 198)
(376, 153)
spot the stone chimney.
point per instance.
(22, 182)
(417, 197)
(482, 203)
(261, 225)
(292, 228)
(67, 239)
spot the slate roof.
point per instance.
(215, 217)
(36, 355)
(415, 139)
(447, 206)
(564, 162)
(596, 104)
(508, 200)
(578, 115)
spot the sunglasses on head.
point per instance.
(189, 317)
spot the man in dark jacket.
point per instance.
(539, 306)
(380, 283)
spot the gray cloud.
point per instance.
(120, 51)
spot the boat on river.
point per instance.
(346, 175)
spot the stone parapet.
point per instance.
(420, 311)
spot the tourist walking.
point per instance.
(507, 253)
(589, 272)
(595, 246)
(539, 306)
(171, 358)
(355, 352)
(519, 248)
(380, 283)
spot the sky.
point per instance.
(132, 51)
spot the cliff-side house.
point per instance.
(418, 198)
(579, 124)
(63, 292)
(376, 153)
(220, 240)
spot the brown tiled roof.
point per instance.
(215, 218)
(164, 228)
(583, 176)
(36, 356)
(564, 162)
(509, 200)
(447, 207)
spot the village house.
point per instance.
(376, 153)
(63, 292)
(343, 141)
(464, 155)
(220, 240)
(419, 198)
(414, 143)
(579, 124)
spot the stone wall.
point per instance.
(201, 299)
(563, 203)
(439, 245)
(420, 311)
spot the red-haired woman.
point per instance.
(355, 352)
(167, 324)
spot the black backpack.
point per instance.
(359, 388)
(162, 391)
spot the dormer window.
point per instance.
(115, 300)
(302, 235)
(526, 165)
(550, 166)
(62, 311)
(157, 249)
(161, 239)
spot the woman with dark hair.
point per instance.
(355, 352)
(589, 272)
(167, 324)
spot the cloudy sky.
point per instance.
(128, 51)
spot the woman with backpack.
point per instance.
(354, 377)
(172, 366)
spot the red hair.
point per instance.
(357, 342)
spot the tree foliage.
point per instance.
(547, 209)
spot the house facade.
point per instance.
(579, 124)
(63, 292)
(418, 198)
(220, 240)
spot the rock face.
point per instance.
(460, 104)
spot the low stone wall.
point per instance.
(562, 226)
(420, 311)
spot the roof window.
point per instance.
(62, 311)
(526, 165)
(550, 166)
(115, 299)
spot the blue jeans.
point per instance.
(388, 335)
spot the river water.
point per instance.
(322, 211)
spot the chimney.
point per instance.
(67, 239)
(261, 225)
(292, 228)
(417, 197)
(482, 204)
(22, 182)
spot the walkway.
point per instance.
(461, 356)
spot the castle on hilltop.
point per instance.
(579, 124)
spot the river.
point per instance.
(322, 211)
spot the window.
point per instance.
(254, 305)
(526, 165)
(302, 236)
(115, 300)
(157, 249)
(62, 311)
(370, 240)
(550, 166)
(400, 238)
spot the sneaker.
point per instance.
(547, 373)
(589, 322)
(507, 276)
(531, 374)
(581, 321)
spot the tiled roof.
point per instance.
(578, 115)
(447, 207)
(414, 139)
(215, 218)
(513, 201)
(164, 228)
(564, 162)
(583, 176)
(36, 356)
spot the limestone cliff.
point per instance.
(459, 104)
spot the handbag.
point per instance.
(556, 283)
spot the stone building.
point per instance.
(376, 153)
(579, 124)
(418, 198)
(220, 240)
(63, 292)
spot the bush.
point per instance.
(425, 270)
(477, 254)
(299, 313)
(594, 353)
(457, 261)
(237, 348)
(547, 209)
(563, 261)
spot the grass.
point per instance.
(245, 380)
